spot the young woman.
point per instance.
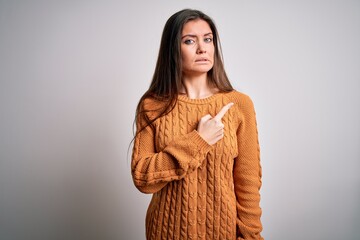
(196, 146)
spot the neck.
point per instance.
(196, 87)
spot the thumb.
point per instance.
(206, 117)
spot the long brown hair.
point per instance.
(167, 77)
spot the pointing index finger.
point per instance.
(222, 112)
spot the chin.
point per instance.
(203, 69)
(198, 70)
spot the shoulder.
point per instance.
(151, 104)
(152, 107)
(244, 107)
(241, 100)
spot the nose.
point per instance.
(200, 48)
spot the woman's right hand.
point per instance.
(211, 129)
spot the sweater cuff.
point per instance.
(201, 148)
(200, 142)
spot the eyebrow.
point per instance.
(192, 35)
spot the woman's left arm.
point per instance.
(247, 174)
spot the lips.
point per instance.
(201, 60)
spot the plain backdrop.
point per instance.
(72, 72)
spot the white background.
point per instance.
(72, 72)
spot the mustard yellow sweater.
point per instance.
(200, 191)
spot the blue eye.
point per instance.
(208, 40)
(189, 41)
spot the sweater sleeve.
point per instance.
(152, 170)
(247, 174)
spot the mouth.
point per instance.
(201, 60)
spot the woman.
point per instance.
(196, 146)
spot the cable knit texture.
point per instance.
(200, 191)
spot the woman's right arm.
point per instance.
(152, 170)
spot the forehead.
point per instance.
(196, 27)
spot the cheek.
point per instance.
(212, 51)
(185, 56)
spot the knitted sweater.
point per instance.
(200, 191)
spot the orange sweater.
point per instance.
(200, 191)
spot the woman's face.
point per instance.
(197, 48)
